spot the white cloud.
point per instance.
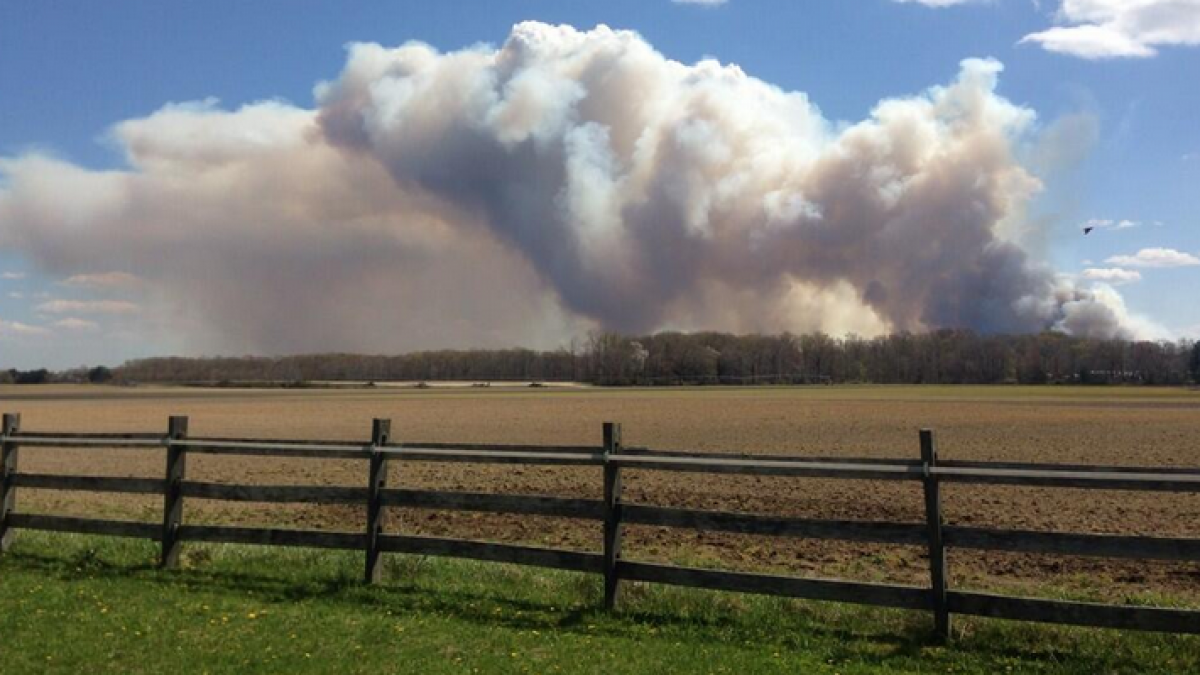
(939, 3)
(12, 276)
(74, 324)
(1112, 224)
(1155, 257)
(710, 3)
(1105, 29)
(106, 280)
(1112, 275)
(17, 328)
(16, 295)
(88, 307)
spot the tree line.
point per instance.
(672, 358)
(97, 375)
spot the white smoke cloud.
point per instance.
(566, 180)
(1081, 317)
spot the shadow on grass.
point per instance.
(864, 636)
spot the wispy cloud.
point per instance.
(1112, 275)
(16, 295)
(17, 328)
(710, 3)
(940, 3)
(107, 280)
(12, 276)
(1112, 224)
(1155, 257)
(1108, 29)
(74, 324)
(87, 307)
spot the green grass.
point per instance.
(83, 604)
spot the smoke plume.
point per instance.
(566, 180)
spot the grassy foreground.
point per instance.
(72, 604)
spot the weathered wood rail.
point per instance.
(614, 512)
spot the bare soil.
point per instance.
(1121, 426)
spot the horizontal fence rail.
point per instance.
(614, 512)
(114, 528)
(587, 509)
(151, 486)
(578, 561)
(744, 523)
(1076, 613)
(1095, 545)
(310, 494)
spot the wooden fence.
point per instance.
(615, 512)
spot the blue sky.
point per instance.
(71, 70)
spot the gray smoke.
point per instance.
(564, 181)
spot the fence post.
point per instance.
(937, 551)
(612, 513)
(177, 429)
(8, 467)
(381, 430)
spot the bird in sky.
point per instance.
(1088, 230)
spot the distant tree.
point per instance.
(39, 376)
(1194, 363)
(1030, 369)
(615, 359)
(6, 377)
(99, 375)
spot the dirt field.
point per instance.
(1126, 426)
